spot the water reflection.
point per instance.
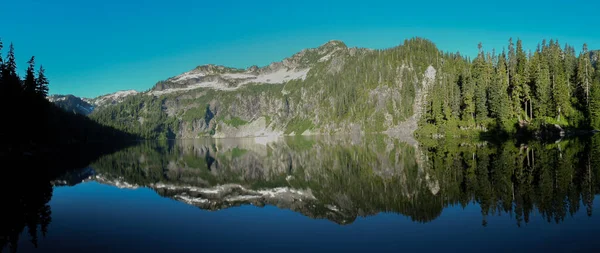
(341, 180)
(331, 178)
(24, 208)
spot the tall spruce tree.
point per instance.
(543, 91)
(585, 72)
(481, 76)
(595, 102)
(29, 84)
(499, 100)
(9, 72)
(515, 91)
(41, 83)
(524, 96)
(2, 87)
(560, 89)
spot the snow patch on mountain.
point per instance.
(113, 98)
(188, 75)
(225, 81)
(213, 84)
(56, 98)
(280, 76)
(238, 76)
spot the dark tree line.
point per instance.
(33, 124)
(11, 83)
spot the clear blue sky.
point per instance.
(93, 47)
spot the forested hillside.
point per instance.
(336, 89)
(516, 89)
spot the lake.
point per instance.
(303, 194)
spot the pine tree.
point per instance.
(560, 89)
(542, 88)
(584, 75)
(522, 90)
(10, 67)
(41, 87)
(29, 84)
(499, 100)
(1, 60)
(514, 90)
(570, 66)
(467, 93)
(3, 89)
(595, 103)
(11, 80)
(481, 76)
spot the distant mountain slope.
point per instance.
(72, 103)
(86, 106)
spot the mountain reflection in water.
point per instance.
(340, 179)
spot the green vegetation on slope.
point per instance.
(501, 93)
(511, 90)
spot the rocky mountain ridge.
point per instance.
(86, 106)
(218, 77)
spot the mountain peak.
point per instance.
(332, 45)
(336, 43)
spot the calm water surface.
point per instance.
(305, 195)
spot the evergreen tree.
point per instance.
(560, 90)
(29, 85)
(41, 83)
(1, 60)
(499, 100)
(468, 94)
(584, 75)
(481, 76)
(522, 94)
(595, 103)
(9, 73)
(541, 85)
(570, 66)
(3, 89)
(515, 91)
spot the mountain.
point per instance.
(328, 89)
(111, 99)
(225, 78)
(334, 89)
(86, 106)
(72, 103)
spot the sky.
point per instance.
(90, 48)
